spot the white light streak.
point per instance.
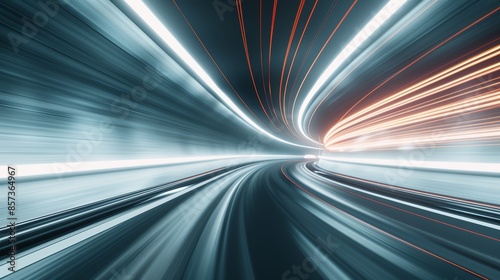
(155, 24)
(438, 165)
(43, 169)
(383, 15)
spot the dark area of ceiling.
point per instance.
(215, 35)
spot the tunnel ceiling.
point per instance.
(267, 55)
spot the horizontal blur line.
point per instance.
(25, 170)
(436, 165)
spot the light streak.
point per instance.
(420, 111)
(285, 60)
(480, 167)
(382, 16)
(247, 54)
(275, 6)
(422, 56)
(399, 28)
(155, 24)
(313, 42)
(213, 60)
(345, 188)
(261, 56)
(43, 169)
(292, 63)
(369, 225)
(320, 52)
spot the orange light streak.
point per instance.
(421, 110)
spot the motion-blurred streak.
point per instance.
(124, 155)
(479, 210)
(379, 19)
(41, 229)
(42, 170)
(92, 86)
(421, 111)
(278, 220)
(468, 167)
(154, 23)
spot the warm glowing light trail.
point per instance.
(368, 56)
(285, 60)
(271, 35)
(291, 67)
(423, 109)
(320, 52)
(247, 55)
(422, 56)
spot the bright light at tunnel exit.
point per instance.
(155, 24)
(382, 16)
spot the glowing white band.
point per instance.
(387, 11)
(155, 24)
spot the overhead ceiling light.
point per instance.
(155, 24)
(383, 15)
